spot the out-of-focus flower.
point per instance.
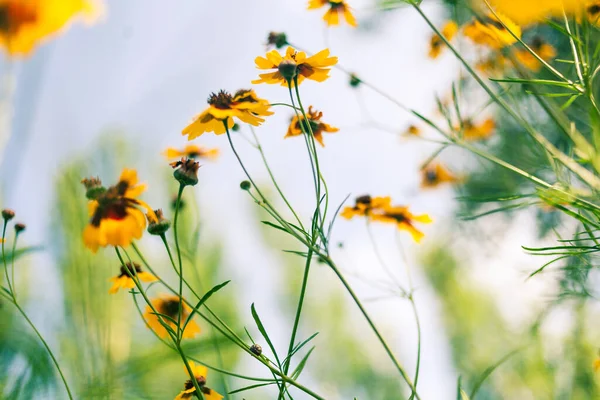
(223, 107)
(277, 39)
(544, 50)
(336, 9)
(412, 130)
(489, 31)
(116, 217)
(314, 123)
(191, 151)
(494, 64)
(26, 23)
(124, 280)
(436, 175)
(354, 81)
(169, 305)
(186, 171)
(157, 223)
(200, 372)
(294, 65)
(436, 44)
(592, 10)
(473, 131)
(531, 11)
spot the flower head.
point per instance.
(298, 126)
(116, 216)
(435, 175)
(170, 305)
(294, 65)
(436, 44)
(495, 64)
(200, 372)
(191, 151)
(490, 31)
(412, 130)
(26, 23)
(526, 12)
(157, 223)
(223, 107)
(124, 280)
(544, 50)
(186, 171)
(472, 131)
(336, 9)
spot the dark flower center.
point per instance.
(399, 217)
(133, 269)
(14, 15)
(493, 22)
(244, 95)
(311, 126)
(221, 100)
(109, 209)
(594, 9)
(171, 308)
(431, 176)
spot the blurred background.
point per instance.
(116, 94)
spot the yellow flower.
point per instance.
(530, 11)
(191, 151)
(435, 175)
(124, 281)
(436, 45)
(596, 364)
(412, 130)
(592, 10)
(223, 107)
(544, 50)
(199, 372)
(26, 23)
(490, 32)
(472, 131)
(336, 9)
(492, 65)
(314, 120)
(116, 217)
(294, 65)
(169, 305)
(364, 205)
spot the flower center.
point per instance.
(171, 308)
(221, 100)
(133, 269)
(431, 176)
(15, 14)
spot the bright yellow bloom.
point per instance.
(380, 209)
(472, 131)
(436, 175)
(314, 120)
(336, 9)
(294, 65)
(169, 305)
(116, 217)
(524, 12)
(191, 151)
(200, 372)
(436, 45)
(489, 31)
(544, 50)
(124, 281)
(26, 23)
(223, 107)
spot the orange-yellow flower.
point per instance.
(124, 280)
(472, 131)
(116, 216)
(200, 372)
(294, 66)
(592, 10)
(315, 123)
(336, 9)
(544, 50)
(380, 209)
(26, 23)
(530, 11)
(436, 44)
(170, 305)
(191, 151)
(435, 175)
(492, 65)
(489, 31)
(223, 107)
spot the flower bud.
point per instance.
(354, 81)
(256, 349)
(19, 228)
(277, 39)
(186, 171)
(8, 214)
(157, 223)
(288, 69)
(245, 185)
(93, 187)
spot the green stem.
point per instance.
(175, 219)
(12, 267)
(10, 288)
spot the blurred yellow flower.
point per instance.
(223, 107)
(26, 23)
(294, 65)
(191, 151)
(544, 50)
(200, 372)
(489, 31)
(436, 45)
(494, 64)
(316, 125)
(412, 130)
(336, 9)
(169, 305)
(472, 131)
(436, 175)
(531, 11)
(116, 217)
(592, 10)
(124, 281)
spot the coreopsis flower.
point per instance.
(495, 64)
(169, 305)
(116, 216)
(336, 9)
(315, 123)
(26, 23)
(124, 280)
(223, 107)
(472, 131)
(412, 130)
(592, 10)
(544, 50)
(294, 66)
(200, 372)
(436, 44)
(489, 31)
(436, 175)
(186, 171)
(531, 11)
(364, 205)
(157, 223)
(191, 151)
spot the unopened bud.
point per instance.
(277, 39)
(354, 81)
(157, 223)
(245, 185)
(8, 214)
(288, 69)
(19, 228)
(186, 171)
(93, 187)
(256, 349)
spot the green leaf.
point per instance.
(204, 298)
(302, 364)
(263, 332)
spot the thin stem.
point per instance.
(180, 312)
(12, 267)
(10, 288)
